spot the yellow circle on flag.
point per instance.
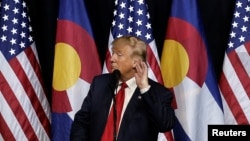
(67, 67)
(174, 63)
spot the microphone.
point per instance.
(116, 76)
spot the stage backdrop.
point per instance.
(216, 16)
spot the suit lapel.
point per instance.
(105, 106)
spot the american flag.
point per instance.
(24, 109)
(131, 17)
(235, 77)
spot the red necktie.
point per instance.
(108, 134)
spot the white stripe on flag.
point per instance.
(229, 117)
(10, 119)
(1, 138)
(155, 52)
(244, 57)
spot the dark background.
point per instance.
(215, 14)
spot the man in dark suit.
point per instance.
(147, 106)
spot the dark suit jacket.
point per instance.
(145, 116)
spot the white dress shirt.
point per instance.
(131, 83)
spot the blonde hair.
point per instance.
(138, 46)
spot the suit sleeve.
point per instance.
(79, 129)
(89, 122)
(158, 100)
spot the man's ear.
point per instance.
(135, 60)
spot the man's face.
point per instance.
(121, 59)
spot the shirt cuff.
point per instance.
(144, 90)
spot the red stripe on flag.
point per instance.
(152, 61)
(17, 68)
(17, 109)
(247, 47)
(240, 71)
(5, 130)
(35, 65)
(232, 102)
(107, 61)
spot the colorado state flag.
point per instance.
(76, 63)
(187, 70)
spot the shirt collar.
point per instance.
(131, 83)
